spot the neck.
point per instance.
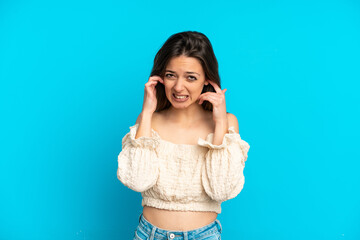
(186, 116)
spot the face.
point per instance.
(184, 80)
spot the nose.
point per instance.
(179, 85)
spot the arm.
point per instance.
(144, 121)
(222, 172)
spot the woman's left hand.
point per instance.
(217, 99)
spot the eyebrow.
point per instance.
(167, 70)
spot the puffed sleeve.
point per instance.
(222, 173)
(138, 164)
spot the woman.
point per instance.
(184, 153)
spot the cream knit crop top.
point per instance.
(183, 177)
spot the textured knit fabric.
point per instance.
(183, 177)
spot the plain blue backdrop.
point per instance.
(72, 82)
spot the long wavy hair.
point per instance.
(190, 44)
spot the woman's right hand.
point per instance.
(150, 101)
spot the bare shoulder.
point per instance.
(232, 121)
(138, 119)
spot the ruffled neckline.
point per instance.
(207, 142)
(177, 144)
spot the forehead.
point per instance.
(185, 64)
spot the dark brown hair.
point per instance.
(190, 44)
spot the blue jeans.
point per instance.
(147, 231)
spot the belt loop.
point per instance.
(152, 235)
(186, 236)
(218, 222)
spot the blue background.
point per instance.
(72, 82)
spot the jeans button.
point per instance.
(172, 235)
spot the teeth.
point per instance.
(180, 96)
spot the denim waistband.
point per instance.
(150, 229)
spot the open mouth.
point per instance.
(180, 98)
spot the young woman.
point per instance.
(184, 153)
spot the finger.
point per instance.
(216, 87)
(224, 90)
(153, 82)
(201, 96)
(214, 96)
(212, 99)
(156, 79)
(161, 80)
(154, 76)
(207, 94)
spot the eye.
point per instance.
(192, 78)
(169, 75)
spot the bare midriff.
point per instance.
(178, 220)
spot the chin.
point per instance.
(179, 106)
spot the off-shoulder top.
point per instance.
(183, 177)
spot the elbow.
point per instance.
(139, 187)
(236, 190)
(138, 169)
(226, 191)
(137, 184)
